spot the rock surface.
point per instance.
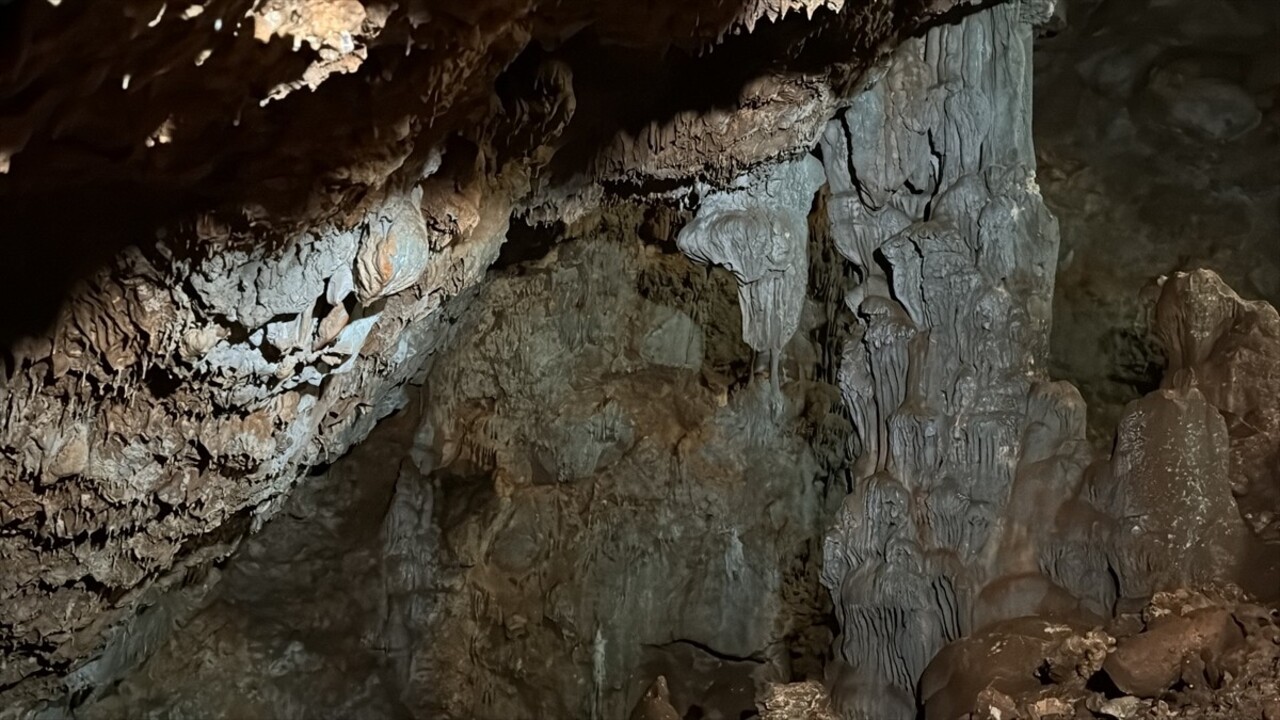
(516, 573)
(1158, 142)
(274, 201)
(704, 365)
(796, 701)
(941, 217)
(1186, 655)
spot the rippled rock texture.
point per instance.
(933, 200)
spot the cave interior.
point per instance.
(677, 360)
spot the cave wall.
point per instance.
(288, 193)
(178, 397)
(599, 489)
(614, 496)
(977, 497)
(1172, 107)
(626, 392)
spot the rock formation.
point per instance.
(944, 380)
(581, 360)
(1186, 654)
(307, 186)
(1156, 148)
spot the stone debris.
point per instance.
(1187, 654)
(796, 701)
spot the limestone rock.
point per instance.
(1014, 658)
(1169, 482)
(796, 701)
(1187, 654)
(394, 251)
(949, 246)
(656, 703)
(1229, 349)
(273, 206)
(760, 233)
(261, 231)
(1148, 664)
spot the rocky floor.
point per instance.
(1187, 654)
(1197, 655)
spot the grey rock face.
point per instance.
(290, 628)
(974, 498)
(588, 506)
(759, 230)
(364, 160)
(934, 201)
(620, 516)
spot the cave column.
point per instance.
(933, 199)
